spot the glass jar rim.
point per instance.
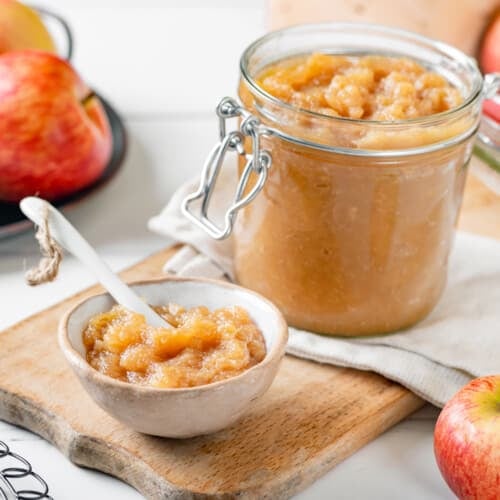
(454, 53)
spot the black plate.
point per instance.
(12, 220)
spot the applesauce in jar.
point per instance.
(379, 88)
(367, 130)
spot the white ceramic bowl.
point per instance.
(178, 413)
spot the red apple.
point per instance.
(54, 135)
(492, 109)
(467, 440)
(489, 53)
(489, 60)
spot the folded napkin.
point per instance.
(458, 341)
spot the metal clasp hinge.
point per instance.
(258, 162)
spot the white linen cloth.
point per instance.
(458, 341)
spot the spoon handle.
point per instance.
(68, 237)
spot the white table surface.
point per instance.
(164, 65)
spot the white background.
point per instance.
(164, 65)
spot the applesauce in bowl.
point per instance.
(355, 141)
(202, 346)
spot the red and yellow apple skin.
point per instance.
(489, 54)
(21, 28)
(467, 440)
(55, 138)
(491, 108)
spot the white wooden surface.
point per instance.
(164, 64)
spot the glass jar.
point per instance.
(346, 225)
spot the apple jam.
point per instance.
(351, 232)
(201, 347)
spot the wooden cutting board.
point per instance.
(312, 417)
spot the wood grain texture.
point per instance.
(421, 16)
(480, 212)
(313, 417)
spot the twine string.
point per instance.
(47, 268)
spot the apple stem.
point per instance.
(87, 98)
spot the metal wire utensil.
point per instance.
(18, 469)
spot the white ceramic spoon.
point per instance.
(68, 237)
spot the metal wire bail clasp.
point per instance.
(258, 162)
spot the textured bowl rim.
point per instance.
(75, 358)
